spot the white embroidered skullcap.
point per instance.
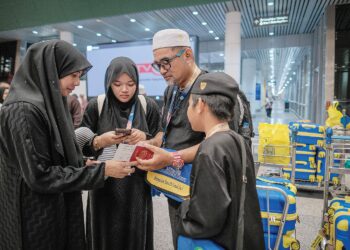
(171, 38)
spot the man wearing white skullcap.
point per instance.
(170, 38)
(174, 59)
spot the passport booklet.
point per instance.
(126, 152)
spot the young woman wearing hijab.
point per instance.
(120, 214)
(41, 167)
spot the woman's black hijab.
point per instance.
(37, 82)
(115, 113)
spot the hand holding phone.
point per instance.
(123, 131)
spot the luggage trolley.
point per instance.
(277, 211)
(268, 154)
(336, 145)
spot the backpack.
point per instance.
(101, 99)
(242, 121)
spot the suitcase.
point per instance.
(335, 205)
(340, 230)
(287, 242)
(309, 133)
(321, 166)
(306, 153)
(305, 171)
(272, 211)
(306, 147)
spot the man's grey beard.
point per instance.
(170, 83)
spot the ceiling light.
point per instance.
(74, 44)
(195, 13)
(292, 62)
(290, 78)
(271, 33)
(294, 73)
(204, 23)
(270, 4)
(211, 32)
(217, 38)
(35, 32)
(114, 41)
(98, 34)
(221, 54)
(89, 48)
(132, 20)
(287, 81)
(80, 26)
(147, 29)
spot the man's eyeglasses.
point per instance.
(166, 62)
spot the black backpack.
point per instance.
(242, 121)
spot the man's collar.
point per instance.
(195, 74)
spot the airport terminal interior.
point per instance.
(291, 58)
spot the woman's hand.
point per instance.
(135, 137)
(119, 169)
(107, 139)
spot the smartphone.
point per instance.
(92, 158)
(124, 131)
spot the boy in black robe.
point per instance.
(216, 179)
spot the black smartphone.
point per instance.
(124, 131)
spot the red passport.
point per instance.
(142, 153)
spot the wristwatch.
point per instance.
(178, 162)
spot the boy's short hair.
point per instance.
(221, 106)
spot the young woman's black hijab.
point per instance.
(115, 113)
(37, 82)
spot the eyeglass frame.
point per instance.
(158, 66)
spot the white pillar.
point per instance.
(67, 36)
(233, 45)
(248, 84)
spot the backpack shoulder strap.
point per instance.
(143, 103)
(240, 230)
(100, 101)
(241, 109)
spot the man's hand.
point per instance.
(161, 158)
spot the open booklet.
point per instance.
(126, 152)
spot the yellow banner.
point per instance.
(168, 184)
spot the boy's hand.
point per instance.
(161, 158)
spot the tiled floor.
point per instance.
(309, 204)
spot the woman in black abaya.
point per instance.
(120, 213)
(41, 167)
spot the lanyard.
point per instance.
(131, 117)
(173, 108)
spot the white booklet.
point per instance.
(126, 152)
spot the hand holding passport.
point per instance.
(126, 152)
